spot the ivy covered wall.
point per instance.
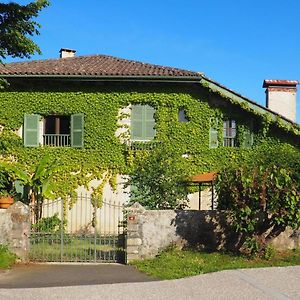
(103, 151)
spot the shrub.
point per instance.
(48, 230)
(7, 258)
(47, 224)
(263, 201)
(157, 180)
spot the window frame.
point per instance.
(229, 132)
(34, 131)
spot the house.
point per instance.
(92, 112)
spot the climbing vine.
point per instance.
(103, 155)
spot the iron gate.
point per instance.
(77, 231)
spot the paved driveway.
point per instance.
(55, 275)
(265, 283)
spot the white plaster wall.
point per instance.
(206, 196)
(41, 132)
(283, 103)
(80, 214)
(19, 132)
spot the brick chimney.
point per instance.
(64, 52)
(281, 97)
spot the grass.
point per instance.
(7, 259)
(174, 263)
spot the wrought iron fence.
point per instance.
(76, 230)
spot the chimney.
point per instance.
(281, 97)
(64, 52)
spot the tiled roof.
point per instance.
(94, 65)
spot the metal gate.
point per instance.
(77, 231)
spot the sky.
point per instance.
(236, 43)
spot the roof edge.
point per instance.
(216, 87)
(109, 78)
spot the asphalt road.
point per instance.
(264, 283)
(58, 275)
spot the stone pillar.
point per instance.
(16, 229)
(134, 239)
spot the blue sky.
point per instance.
(236, 43)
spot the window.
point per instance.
(53, 130)
(142, 123)
(182, 115)
(57, 131)
(229, 133)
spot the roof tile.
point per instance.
(94, 65)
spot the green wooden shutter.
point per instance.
(19, 187)
(31, 130)
(149, 122)
(248, 138)
(137, 122)
(142, 122)
(77, 127)
(213, 133)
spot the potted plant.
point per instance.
(6, 190)
(6, 200)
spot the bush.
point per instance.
(48, 230)
(48, 224)
(262, 200)
(157, 181)
(7, 259)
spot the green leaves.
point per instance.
(17, 27)
(104, 151)
(263, 200)
(40, 183)
(158, 180)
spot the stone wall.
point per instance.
(15, 229)
(151, 231)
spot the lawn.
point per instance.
(7, 259)
(174, 263)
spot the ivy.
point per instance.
(103, 152)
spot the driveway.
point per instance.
(57, 275)
(264, 283)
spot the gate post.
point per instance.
(15, 229)
(134, 240)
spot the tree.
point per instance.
(38, 184)
(158, 180)
(17, 27)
